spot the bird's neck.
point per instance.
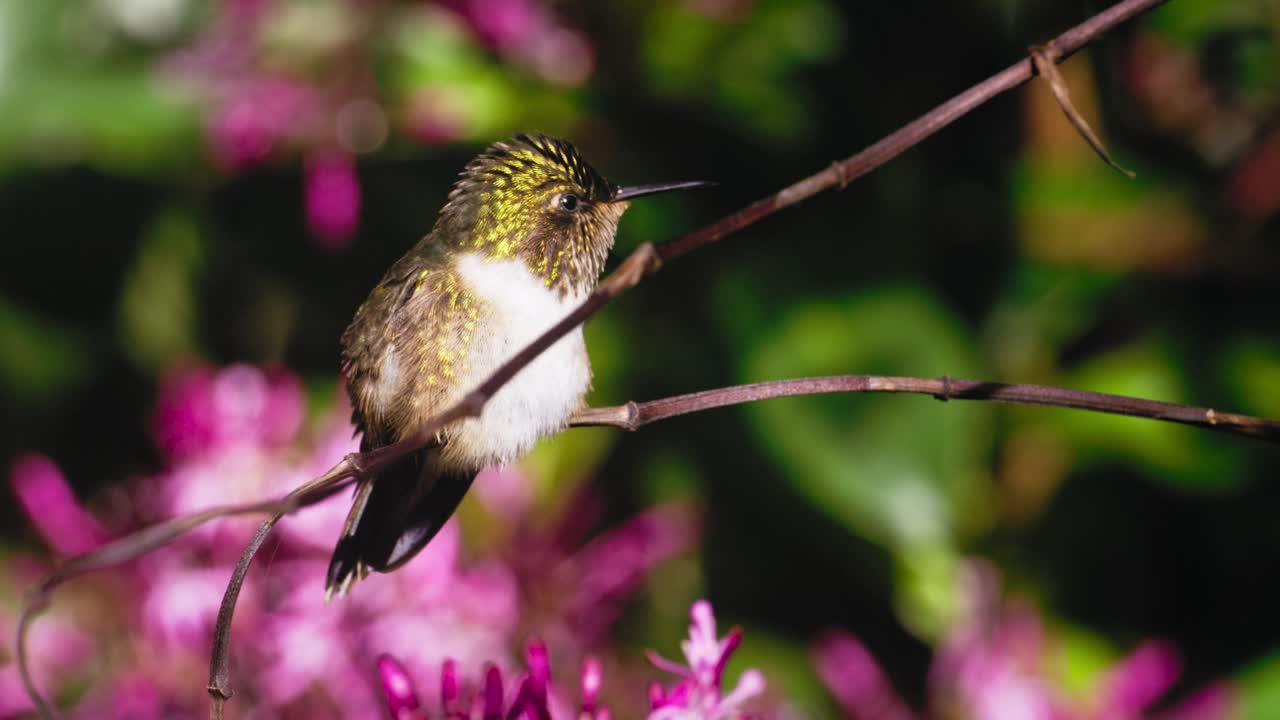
(568, 268)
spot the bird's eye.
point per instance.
(569, 202)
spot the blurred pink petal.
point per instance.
(58, 653)
(284, 408)
(532, 698)
(223, 478)
(332, 198)
(136, 697)
(13, 696)
(202, 411)
(1013, 696)
(181, 605)
(423, 638)
(397, 687)
(52, 507)
(562, 57)
(1139, 680)
(503, 24)
(255, 114)
(183, 422)
(507, 491)
(493, 697)
(305, 651)
(611, 566)
(1219, 701)
(855, 679)
(450, 688)
(592, 678)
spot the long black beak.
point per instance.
(635, 191)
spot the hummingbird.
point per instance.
(520, 242)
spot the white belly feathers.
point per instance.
(542, 397)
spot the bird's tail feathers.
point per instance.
(393, 517)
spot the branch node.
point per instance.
(843, 177)
(1049, 51)
(1211, 417)
(355, 461)
(945, 395)
(633, 416)
(642, 261)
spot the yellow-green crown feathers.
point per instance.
(533, 197)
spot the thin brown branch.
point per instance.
(633, 415)
(312, 492)
(648, 258)
(845, 171)
(1045, 59)
(149, 538)
(219, 660)
(113, 553)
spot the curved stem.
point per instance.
(219, 660)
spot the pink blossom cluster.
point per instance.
(698, 696)
(266, 96)
(134, 641)
(699, 693)
(990, 666)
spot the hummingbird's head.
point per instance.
(534, 198)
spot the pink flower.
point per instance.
(57, 649)
(402, 700)
(52, 507)
(609, 568)
(255, 115)
(178, 610)
(503, 24)
(524, 31)
(988, 667)
(332, 197)
(856, 680)
(1139, 680)
(236, 434)
(698, 695)
(201, 411)
(533, 696)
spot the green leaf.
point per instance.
(1252, 370)
(746, 67)
(39, 360)
(1259, 687)
(157, 312)
(898, 470)
(1181, 456)
(1193, 21)
(1078, 659)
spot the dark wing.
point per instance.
(399, 355)
(391, 350)
(366, 342)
